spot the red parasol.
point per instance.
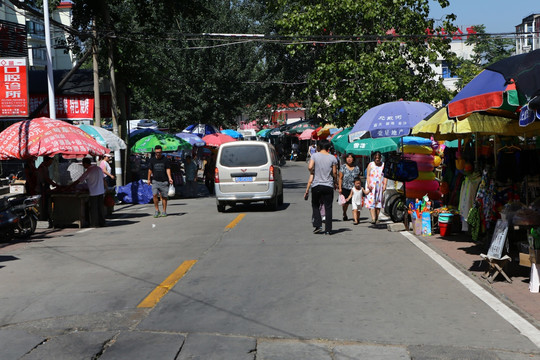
(217, 139)
(47, 137)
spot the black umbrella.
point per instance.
(524, 69)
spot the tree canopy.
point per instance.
(338, 58)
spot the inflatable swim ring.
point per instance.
(425, 175)
(417, 194)
(417, 149)
(424, 162)
(423, 185)
(416, 140)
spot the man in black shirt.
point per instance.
(159, 175)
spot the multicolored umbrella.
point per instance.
(232, 133)
(167, 141)
(392, 119)
(47, 137)
(137, 134)
(217, 139)
(306, 134)
(264, 132)
(201, 129)
(366, 147)
(104, 137)
(193, 139)
(325, 131)
(523, 69)
(488, 91)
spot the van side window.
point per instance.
(243, 155)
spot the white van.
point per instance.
(248, 171)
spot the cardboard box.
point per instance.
(17, 189)
(533, 257)
(524, 259)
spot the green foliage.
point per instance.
(179, 80)
(350, 77)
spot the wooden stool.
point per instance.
(495, 267)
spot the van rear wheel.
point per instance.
(220, 207)
(273, 203)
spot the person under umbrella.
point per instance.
(347, 173)
(376, 184)
(159, 171)
(93, 176)
(324, 167)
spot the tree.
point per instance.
(487, 50)
(361, 71)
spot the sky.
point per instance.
(499, 16)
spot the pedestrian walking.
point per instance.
(105, 166)
(191, 169)
(347, 174)
(159, 175)
(93, 176)
(376, 184)
(43, 187)
(210, 173)
(356, 197)
(323, 165)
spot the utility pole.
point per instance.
(114, 100)
(97, 101)
(50, 77)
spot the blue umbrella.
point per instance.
(192, 139)
(201, 129)
(392, 119)
(232, 133)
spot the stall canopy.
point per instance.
(47, 137)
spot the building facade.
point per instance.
(528, 34)
(62, 57)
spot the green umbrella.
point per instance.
(298, 129)
(366, 147)
(167, 141)
(341, 140)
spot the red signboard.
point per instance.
(13, 87)
(72, 107)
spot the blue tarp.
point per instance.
(137, 192)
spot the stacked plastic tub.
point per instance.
(420, 151)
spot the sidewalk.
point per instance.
(465, 254)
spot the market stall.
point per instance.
(44, 137)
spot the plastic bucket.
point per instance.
(445, 218)
(444, 228)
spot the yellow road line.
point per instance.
(235, 221)
(162, 289)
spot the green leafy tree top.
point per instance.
(362, 71)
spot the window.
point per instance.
(446, 74)
(243, 155)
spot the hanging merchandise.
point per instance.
(468, 192)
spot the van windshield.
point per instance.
(248, 155)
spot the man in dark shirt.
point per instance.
(159, 175)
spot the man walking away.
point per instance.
(324, 167)
(96, 188)
(159, 175)
(191, 168)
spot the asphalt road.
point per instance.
(245, 284)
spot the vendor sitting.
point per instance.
(96, 188)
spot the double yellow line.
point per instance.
(162, 289)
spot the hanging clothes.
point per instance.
(469, 188)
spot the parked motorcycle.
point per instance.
(8, 221)
(294, 155)
(18, 217)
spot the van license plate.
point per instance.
(244, 179)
